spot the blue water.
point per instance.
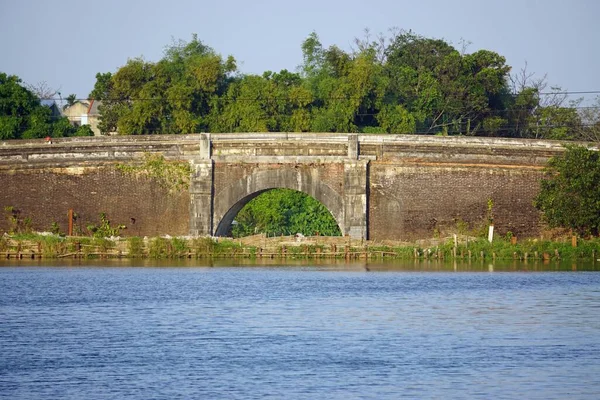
(297, 332)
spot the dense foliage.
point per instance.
(22, 115)
(402, 84)
(570, 196)
(174, 95)
(284, 212)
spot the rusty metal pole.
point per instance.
(70, 222)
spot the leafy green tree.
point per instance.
(345, 87)
(102, 87)
(22, 116)
(271, 102)
(570, 194)
(284, 212)
(16, 107)
(83, 130)
(71, 100)
(174, 95)
(405, 84)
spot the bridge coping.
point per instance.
(310, 137)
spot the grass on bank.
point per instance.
(53, 246)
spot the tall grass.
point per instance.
(161, 248)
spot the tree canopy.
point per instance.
(570, 196)
(22, 115)
(284, 212)
(405, 83)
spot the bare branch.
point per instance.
(42, 90)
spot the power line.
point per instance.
(568, 93)
(287, 97)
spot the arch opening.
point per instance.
(231, 199)
(278, 212)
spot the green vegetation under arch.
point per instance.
(284, 212)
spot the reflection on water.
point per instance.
(239, 329)
(328, 264)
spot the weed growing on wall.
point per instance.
(16, 221)
(104, 228)
(174, 176)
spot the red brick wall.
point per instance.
(412, 202)
(405, 201)
(45, 195)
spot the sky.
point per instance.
(65, 43)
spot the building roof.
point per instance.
(48, 102)
(93, 107)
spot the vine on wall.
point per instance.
(174, 176)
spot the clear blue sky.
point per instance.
(65, 43)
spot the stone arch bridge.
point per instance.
(399, 187)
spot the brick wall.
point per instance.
(411, 202)
(417, 185)
(46, 194)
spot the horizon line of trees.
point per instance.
(403, 83)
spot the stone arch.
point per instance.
(229, 201)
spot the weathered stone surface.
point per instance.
(201, 197)
(375, 186)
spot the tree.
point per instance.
(590, 122)
(540, 112)
(42, 90)
(71, 100)
(173, 95)
(271, 102)
(570, 194)
(406, 83)
(16, 105)
(22, 116)
(284, 212)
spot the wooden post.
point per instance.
(455, 245)
(70, 222)
(574, 241)
(513, 240)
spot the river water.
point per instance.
(107, 330)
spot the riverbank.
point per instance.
(32, 246)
